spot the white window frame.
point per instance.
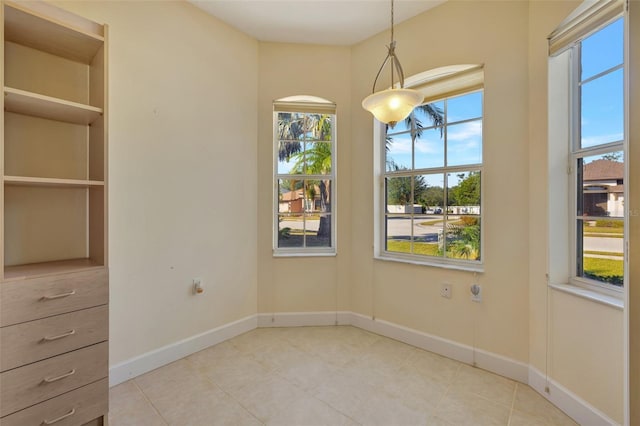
(307, 105)
(436, 85)
(564, 142)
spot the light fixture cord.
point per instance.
(392, 46)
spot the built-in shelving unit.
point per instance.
(23, 102)
(54, 214)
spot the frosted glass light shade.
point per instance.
(392, 105)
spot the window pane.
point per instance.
(427, 232)
(429, 115)
(290, 157)
(318, 158)
(602, 50)
(464, 143)
(602, 103)
(398, 195)
(602, 250)
(429, 193)
(318, 196)
(290, 196)
(290, 126)
(318, 127)
(398, 152)
(429, 149)
(318, 230)
(463, 193)
(463, 237)
(398, 234)
(602, 189)
(464, 107)
(290, 230)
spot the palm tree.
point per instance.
(316, 159)
(435, 114)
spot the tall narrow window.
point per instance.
(598, 155)
(305, 181)
(432, 208)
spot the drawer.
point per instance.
(80, 406)
(34, 383)
(35, 298)
(36, 340)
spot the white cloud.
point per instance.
(465, 131)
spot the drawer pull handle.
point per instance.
(59, 336)
(62, 376)
(62, 417)
(59, 296)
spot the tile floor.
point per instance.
(308, 376)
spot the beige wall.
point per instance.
(183, 126)
(583, 349)
(493, 34)
(303, 284)
(172, 174)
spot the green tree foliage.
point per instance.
(467, 192)
(314, 159)
(432, 196)
(399, 189)
(612, 156)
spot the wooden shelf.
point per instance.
(33, 270)
(31, 28)
(39, 181)
(29, 103)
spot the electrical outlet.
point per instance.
(476, 293)
(445, 291)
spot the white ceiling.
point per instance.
(331, 22)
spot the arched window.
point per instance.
(304, 134)
(430, 165)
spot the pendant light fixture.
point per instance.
(394, 104)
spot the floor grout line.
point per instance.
(301, 368)
(513, 403)
(146, 397)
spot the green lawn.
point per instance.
(607, 270)
(429, 249)
(604, 253)
(602, 230)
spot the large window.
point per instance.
(588, 151)
(432, 171)
(598, 155)
(304, 162)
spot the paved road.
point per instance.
(613, 245)
(400, 228)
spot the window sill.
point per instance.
(304, 254)
(453, 266)
(594, 296)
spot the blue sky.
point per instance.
(463, 117)
(603, 98)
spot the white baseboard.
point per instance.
(580, 410)
(162, 356)
(303, 319)
(498, 364)
(574, 406)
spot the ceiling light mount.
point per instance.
(394, 104)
